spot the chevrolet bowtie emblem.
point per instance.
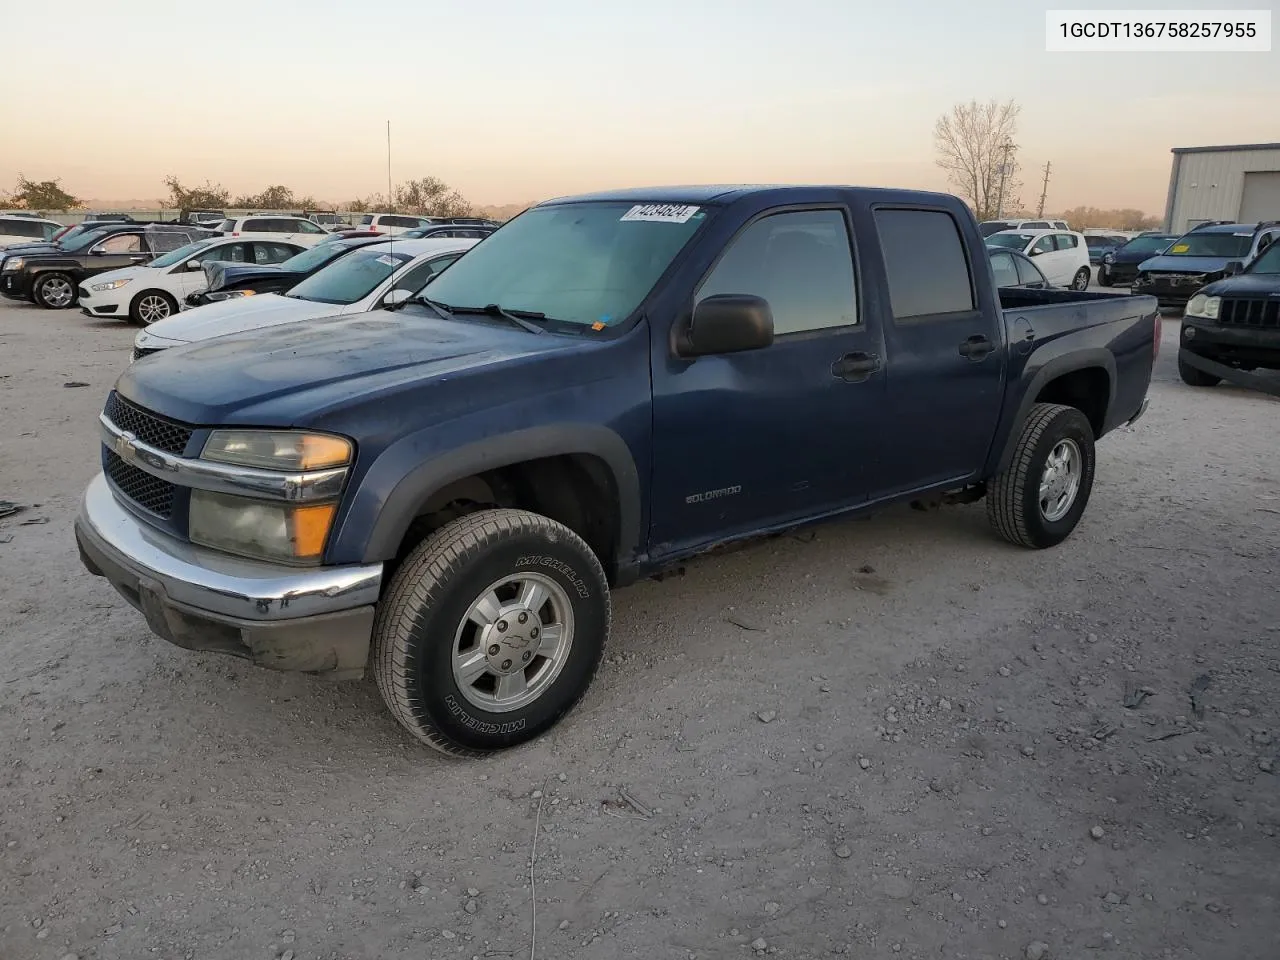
(125, 444)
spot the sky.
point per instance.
(511, 101)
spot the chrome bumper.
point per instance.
(316, 620)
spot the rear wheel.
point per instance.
(1194, 376)
(491, 631)
(1039, 499)
(54, 291)
(1081, 280)
(150, 306)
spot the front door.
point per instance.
(750, 440)
(945, 383)
(1046, 258)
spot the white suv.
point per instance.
(392, 224)
(1062, 256)
(20, 229)
(988, 227)
(268, 227)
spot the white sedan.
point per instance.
(367, 278)
(1061, 255)
(151, 292)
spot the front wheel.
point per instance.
(150, 306)
(1104, 278)
(1081, 280)
(1194, 376)
(54, 291)
(491, 631)
(1038, 500)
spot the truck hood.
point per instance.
(1163, 264)
(236, 316)
(1249, 285)
(303, 370)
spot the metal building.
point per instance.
(1240, 183)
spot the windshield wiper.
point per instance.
(441, 308)
(521, 318)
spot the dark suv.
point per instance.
(1234, 322)
(1201, 256)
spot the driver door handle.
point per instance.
(855, 367)
(976, 347)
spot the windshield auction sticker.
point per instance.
(660, 213)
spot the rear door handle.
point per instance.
(976, 347)
(855, 367)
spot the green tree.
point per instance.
(212, 196)
(276, 197)
(430, 197)
(43, 195)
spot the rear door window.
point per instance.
(925, 263)
(267, 253)
(1065, 241)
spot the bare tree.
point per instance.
(975, 144)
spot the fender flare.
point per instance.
(416, 487)
(1092, 359)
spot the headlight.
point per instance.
(1108, 258)
(277, 449)
(110, 285)
(258, 528)
(230, 295)
(15, 263)
(1202, 306)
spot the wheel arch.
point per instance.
(536, 452)
(1064, 380)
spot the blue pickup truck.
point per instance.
(445, 490)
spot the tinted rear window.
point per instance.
(925, 262)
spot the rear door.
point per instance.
(947, 366)
(749, 440)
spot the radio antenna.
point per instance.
(390, 199)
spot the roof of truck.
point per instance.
(723, 193)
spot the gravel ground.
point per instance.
(892, 738)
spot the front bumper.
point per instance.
(16, 284)
(99, 305)
(1169, 291)
(314, 620)
(1231, 343)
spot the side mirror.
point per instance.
(1232, 268)
(1034, 253)
(193, 264)
(396, 297)
(727, 323)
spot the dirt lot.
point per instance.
(894, 738)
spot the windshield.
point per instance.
(1014, 241)
(308, 260)
(350, 278)
(1147, 244)
(1268, 261)
(581, 263)
(182, 253)
(87, 236)
(1228, 245)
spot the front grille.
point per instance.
(150, 493)
(155, 431)
(140, 352)
(1250, 313)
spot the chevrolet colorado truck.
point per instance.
(446, 490)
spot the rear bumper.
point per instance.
(1141, 410)
(314, 620)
